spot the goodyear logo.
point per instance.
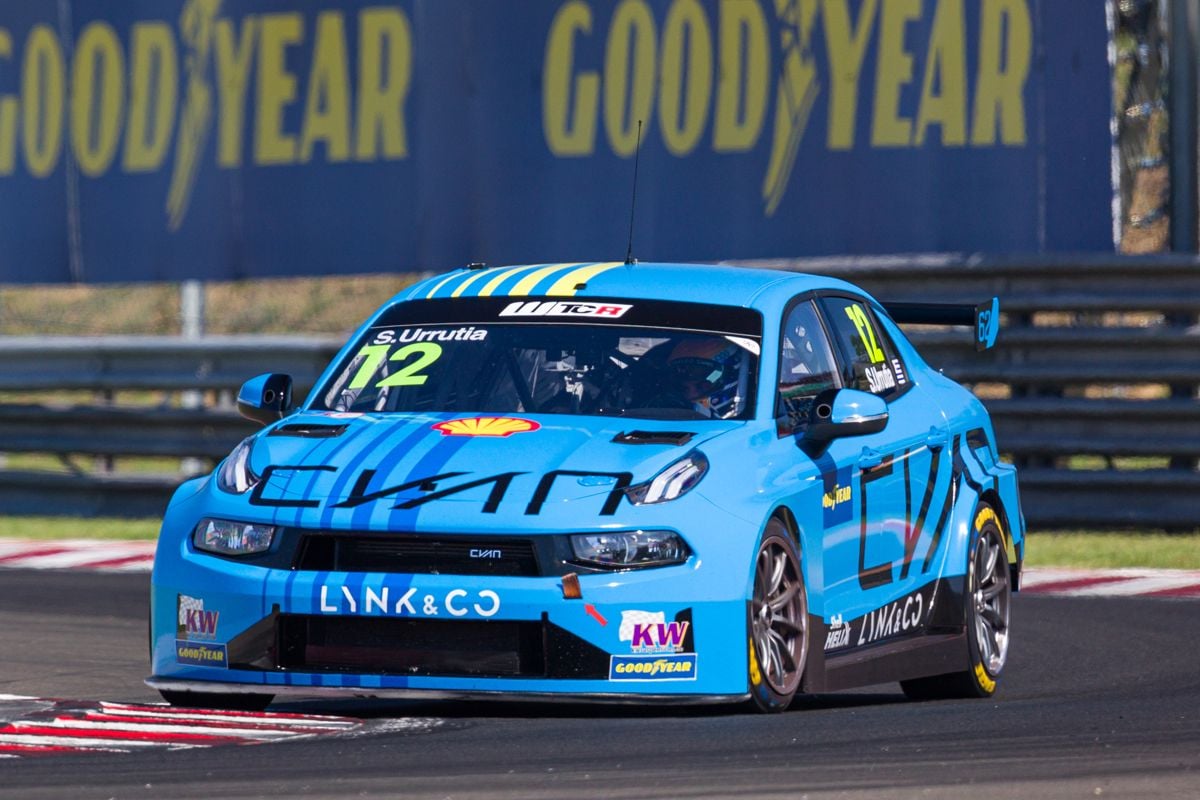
(835, 502)
(679, 667)
(709, 76)
(486, 426)
(200, 654)
(149, 98)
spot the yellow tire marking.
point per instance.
(755, 672)
(526, 284)
(565, 286)
(491, 285)
(985, 681)
(983, 516)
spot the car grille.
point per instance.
(411, 647)
(418, 555)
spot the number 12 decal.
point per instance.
(865, 332)
(411, 374)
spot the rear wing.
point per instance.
(984, 318)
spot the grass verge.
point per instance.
(1104, 550)
(1080, 549)
(78, 528)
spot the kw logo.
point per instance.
(659, 637)
(200, 623)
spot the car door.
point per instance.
(878, 527)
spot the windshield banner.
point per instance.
(223, 139)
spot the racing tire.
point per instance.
(217, 700)
(779, 633)
(988, 600)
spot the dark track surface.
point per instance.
(1101, 698)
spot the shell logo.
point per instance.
(486, 426)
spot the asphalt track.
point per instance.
(1101, 698)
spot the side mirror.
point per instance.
(845, 412)
(265, 398)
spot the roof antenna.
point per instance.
(637, 154)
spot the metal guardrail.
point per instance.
(1093, 386)
(116, 363)
(1059, 346)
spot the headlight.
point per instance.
(674, 481)
(235, 474)
(229, 538)
(630, 549)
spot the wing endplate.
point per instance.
(984, 317)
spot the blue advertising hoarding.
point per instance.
(223, 139)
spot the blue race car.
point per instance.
(601, 481)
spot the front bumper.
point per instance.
(220, 625)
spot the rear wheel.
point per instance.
(778, 621)
(988, 597)
(217, 700)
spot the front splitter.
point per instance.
(207, 687)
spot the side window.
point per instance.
(806, 365)
(869, 360)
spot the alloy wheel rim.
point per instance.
(990, 599)
(779, 611)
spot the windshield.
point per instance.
(485, 356)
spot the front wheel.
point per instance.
(988, 597)
(217, 700)
(778, 621)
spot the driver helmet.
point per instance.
(705, 370)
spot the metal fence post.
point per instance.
(191, 312)
(1184, 80)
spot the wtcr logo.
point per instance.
(536, 308)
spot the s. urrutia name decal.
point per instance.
(432, 489)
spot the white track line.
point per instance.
(280, 722)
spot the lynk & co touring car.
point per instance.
(622, 482)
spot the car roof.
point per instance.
(696, 283)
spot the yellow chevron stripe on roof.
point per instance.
(474, 276)
(441, 283)
(491, 285)
(526, 284)
(565, 286)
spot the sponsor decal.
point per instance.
(839, 491)
(838, 635)
(679, 667)
(880, 379)
(409, 602)
(818, 75)
(486, 426)
(898, 370)
(554, 308)
(649, 632)
(905, 616)
(404, 335)
(900, 616)
(194, 622)
(201, 654)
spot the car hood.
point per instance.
(432, 464)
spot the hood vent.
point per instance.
(307, 430)
(677, 438)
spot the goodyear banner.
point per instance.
(218, 139)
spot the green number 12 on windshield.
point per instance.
(410, 374)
